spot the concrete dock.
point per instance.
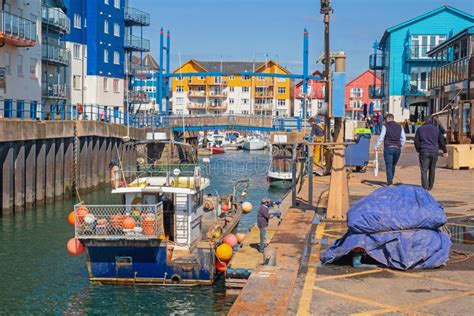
(300, 285)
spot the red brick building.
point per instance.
(357, 93)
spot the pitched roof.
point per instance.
(148, 62)
(424, 16)
(231, 67)
(370, 71)
(315, 73)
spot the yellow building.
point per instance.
(232, 94)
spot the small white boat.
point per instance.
(280, 171)
(254, 143)
(233, 140)
(216, 138)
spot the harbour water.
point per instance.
(38, 276)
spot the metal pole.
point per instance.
(168, 58)
(326, 10)
(160, 77)
(305, 74)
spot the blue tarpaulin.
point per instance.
(398, 226)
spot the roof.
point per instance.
(454, 38)
(370, 71)
(233, 67)
(315, 73)
(425, 16)
(148, 62)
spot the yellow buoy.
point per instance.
(224, 252)
(247, 207)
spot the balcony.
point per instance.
(136, 43)
(376, 92)
(267, 94)
(17, 31)
(138, 97)
(418, 52)
(454, 72)
(376, 62)
(197, 82)
(55, 90)
(55, 54)
(217, 94)
(196, 94)
(56, 18)
(196, 106)
(414, 88)
(215, 83)
(220, 107)
(135, 17)
(263, 107)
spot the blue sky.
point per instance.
(248, 29)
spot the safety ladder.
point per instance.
(181, 218)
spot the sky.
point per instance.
(247, 30)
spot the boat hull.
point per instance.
(254, 145)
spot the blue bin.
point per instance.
(357, 155)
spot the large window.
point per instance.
(422, 44)
(116, 58)
(418, 76)
(77, 21)
(357, 92)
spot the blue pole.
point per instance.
(160, 76)
(167, 86)
(305, 73)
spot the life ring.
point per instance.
(208, 204)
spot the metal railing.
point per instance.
(140, 221)
(199, 106)
(451, 73)
(136, 16)
(55, 17)
(197, 94)
(418, 52)
(137, 43)
(55, 90)
(376, 92)
(264, 94)
(56, 54)
(16, 26)
(414, 88)
(376, 61)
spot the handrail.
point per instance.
(56, 17)
(17, 26)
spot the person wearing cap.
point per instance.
(316, 129)
(262, 222)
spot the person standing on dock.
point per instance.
(428, 141)
(393, 138)
(262, 222)
(316, 129)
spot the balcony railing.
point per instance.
(268, 94)
(451, 73)
(263, 107)
(55, 90)
(215, 83)
(136, 17)
(376, 61)
(414, 88)
(217, 94)
(16, 30)
(418, 52)
(55, 17)
(220, 107)
(376, 92)
(138, 97)
(196, 94)
(196, 106)
(55, 54)
(137, 43)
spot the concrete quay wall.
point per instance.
(42, 161)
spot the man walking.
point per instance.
(393, 138)
(262, 222)
(428, 141)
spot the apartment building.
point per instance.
(315, 96)
(144, 95)
(402, 62)
(20, 55)
(357, 94)
(235, 93)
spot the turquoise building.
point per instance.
(401, 60)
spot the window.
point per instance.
(245, 77)
(201, 88)
(281, 79)
(179, 89)
(76, 51)
(76, 82)
(179, 101)
(231, 101)
(116, 30)
(33, 62)
(281, 102)
(202, 78)
(117, 4)
(116, 58)
(106, 56)
(218, 80)
(106, 1)
(261, 78)
(106, 27)
(231, 77)
(106, 84)
(357, 92)
(19, 65)
(231, 89)
(245, 112)
(356, 104)
(77, 21)
(281, 90)
(422, 44)
(6, 62)
(245, 89)
(116, 86)
(245, 101)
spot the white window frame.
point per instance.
(76, 51)
(106, 56)
(76, 82)
(179, 89)
(106, 84)
(117, 4)
(106, 27)
(116, 58)
(77, 21)
(245, 89)
(116, 30)
(281, 102)
(231, 101)
(245, 101)
(106, 1)
(357, 92)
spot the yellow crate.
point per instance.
(460, 156)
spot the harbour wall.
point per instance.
(44, 161)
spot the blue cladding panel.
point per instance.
(338, 94)
(76, 7)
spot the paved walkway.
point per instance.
(342, 289)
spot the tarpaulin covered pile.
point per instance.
(398, 226)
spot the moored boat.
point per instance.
(254, 143)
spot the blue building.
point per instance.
(401, 60)
(97, 45)
(144, 94)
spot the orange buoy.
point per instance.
(224, 252)
(231, 240)
(221, 266)
(224, 207)
(70, 218)
(82, 211)
(75, 247)
(240, 237)
(129, 223)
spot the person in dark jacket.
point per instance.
(316, 130)
(262, 222)
(393, 138)
(428, 141)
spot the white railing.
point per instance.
(132, 222)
